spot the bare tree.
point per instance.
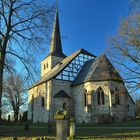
(23, 26)
(5, 107)
(125, 49)
(15, 93)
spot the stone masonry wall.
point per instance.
(126, 108)
(81, 115)
(76, 106)
(58, 85)
(120, 111)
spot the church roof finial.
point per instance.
(56, 46)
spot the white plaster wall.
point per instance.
(40, 114)
(52, 61)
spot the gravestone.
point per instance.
(9, 118)
(26, 126)
(61, 125)
(72, 129)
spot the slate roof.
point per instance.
(62, 94)
(60, 66)
(99, 70)
(56, 45)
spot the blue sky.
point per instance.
(89, 23)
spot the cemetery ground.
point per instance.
(128, 130)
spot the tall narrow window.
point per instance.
(64, 105)
(32, 103)
(100, 96)
(46, 65)
(89, 102)
(117, 98)
(85, 99)
(42, 101)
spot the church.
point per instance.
(89, 88)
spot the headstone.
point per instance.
(14, 138)
(26, 127)
(8, 118)
(61, 125)
(72, 129)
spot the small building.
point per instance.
(86, 86)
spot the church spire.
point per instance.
(56, 46)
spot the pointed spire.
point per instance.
(56, 46)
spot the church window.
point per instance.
(32, 103)
(87, 101)
(64, 105)
(117, 98)
(44, 66)
(112, 97)
(42, 101)
(100, 96)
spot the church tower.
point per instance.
(56, 54)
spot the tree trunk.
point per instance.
(2, 62)
(16, 113)
(1, 85)
(2, 59)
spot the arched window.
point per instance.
(42, 101)
(64, 105)
(87, 101)
(85, 98)
(100, 96)
(117, 98)
(44, 66)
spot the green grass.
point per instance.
(134, 123)
(122, 130)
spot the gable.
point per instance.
(67, 69)
(99, 70)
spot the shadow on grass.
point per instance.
(83, 131)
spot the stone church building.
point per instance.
(86, 86)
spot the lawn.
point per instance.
(129, 130)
